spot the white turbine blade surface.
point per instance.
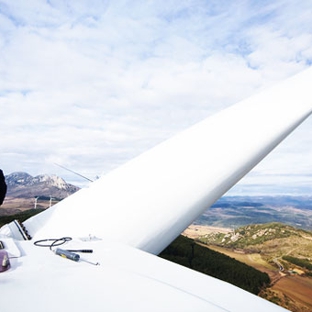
(149, 201)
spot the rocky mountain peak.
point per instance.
(18, 178)
(52, 180)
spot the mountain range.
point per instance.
(236, 211)
(23, 185)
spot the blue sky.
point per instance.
(91, 84)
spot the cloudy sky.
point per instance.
(91, 84)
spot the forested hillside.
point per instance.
(186, 252)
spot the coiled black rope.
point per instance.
(55, 242)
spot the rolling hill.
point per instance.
(281, 251)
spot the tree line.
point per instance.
(304, 263)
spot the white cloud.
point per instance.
(90, 85)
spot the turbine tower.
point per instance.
(36, 200)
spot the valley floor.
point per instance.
(291, 291)
(13, 205)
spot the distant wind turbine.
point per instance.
(50, 203)
(36, 200)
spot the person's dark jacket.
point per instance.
(3, 187)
